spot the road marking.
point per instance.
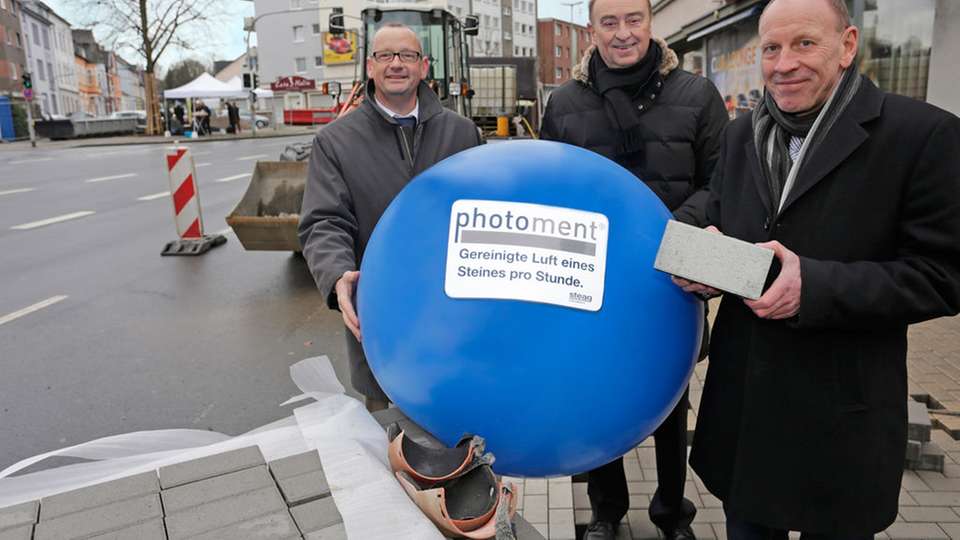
(37, 160)
(154, 196)
(105, 178)
(247, 158)
(30, 309)
(232, 178)
(51, 221)
(204, 164)
(12, 191)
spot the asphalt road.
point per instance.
(100, 335)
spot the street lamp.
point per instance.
(570, 5)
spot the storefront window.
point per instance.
(733, 64)
(895, 45)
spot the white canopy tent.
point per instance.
(205, 86)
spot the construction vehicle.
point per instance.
(267, 216)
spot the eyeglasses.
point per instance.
(407, 57)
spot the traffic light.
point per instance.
(250, 81)
(27, 81)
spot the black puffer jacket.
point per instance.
(683, 110)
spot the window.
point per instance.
(506, 11)
(316, 29)
(19, 41)
(486, 20)
(46, 39)
(298, 33)
(516, 50)
(496, 22)
(40, 70)
(50, 72)
(559, 51)
(36, 34)
(559, 73)
(556, 30)
(317, 61)
(896, 44)
(301, 64)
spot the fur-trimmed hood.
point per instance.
(668, 62)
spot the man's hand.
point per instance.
(782, 299)
(344, 289)
(703, 291)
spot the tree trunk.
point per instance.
(154, 126)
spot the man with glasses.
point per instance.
(359, 163)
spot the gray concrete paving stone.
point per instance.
(303, 488)
(212, 489)
(148, 530)
(210, 466)
(296, 465)
(333, 532)
(918, 421)
(99, 495)
(24, 532)
(316, 515)
(218, 514)
(276, 526)
(20, 514)
(100, 520)
(915, 531)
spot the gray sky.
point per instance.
(229, 40)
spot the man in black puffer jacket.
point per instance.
(629, 102)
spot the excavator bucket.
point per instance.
(268, 214)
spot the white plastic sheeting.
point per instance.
(352, 448)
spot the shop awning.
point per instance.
(716, 21)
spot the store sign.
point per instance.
(292, 84)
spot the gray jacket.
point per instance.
(358, 164)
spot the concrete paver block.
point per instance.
(316, 515)
(23, 532)
(304, 488)
(535, 486)
(296, 465)
(720, 261)
(561, 524)
(560, 494)
(929, 514)
(535, 508)
(915, 531)
(99, 495)
(913, 451)
(276, 526)
(333, 532)
(218, 514)
(148, 530)
(100, 520)
(20, 514)
(918, 421)
(219, 487)
(210, 466)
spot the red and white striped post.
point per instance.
(186, 206)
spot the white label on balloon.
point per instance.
(521, 251)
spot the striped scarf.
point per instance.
(783, 141)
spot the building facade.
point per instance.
(719, 39)
(67, 97)
(13, 57)
(507, 27)
(562, 45)
(37, 30)
(91, 75)
(132, 93)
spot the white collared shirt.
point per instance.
(414, 113)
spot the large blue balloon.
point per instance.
(555, 390)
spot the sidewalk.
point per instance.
(929, 501)
(90, 142)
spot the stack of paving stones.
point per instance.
(922, 453)
(234, 495)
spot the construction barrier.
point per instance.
(186, 207)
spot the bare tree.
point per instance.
(150, 28)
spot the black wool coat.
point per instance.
(802, 423)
